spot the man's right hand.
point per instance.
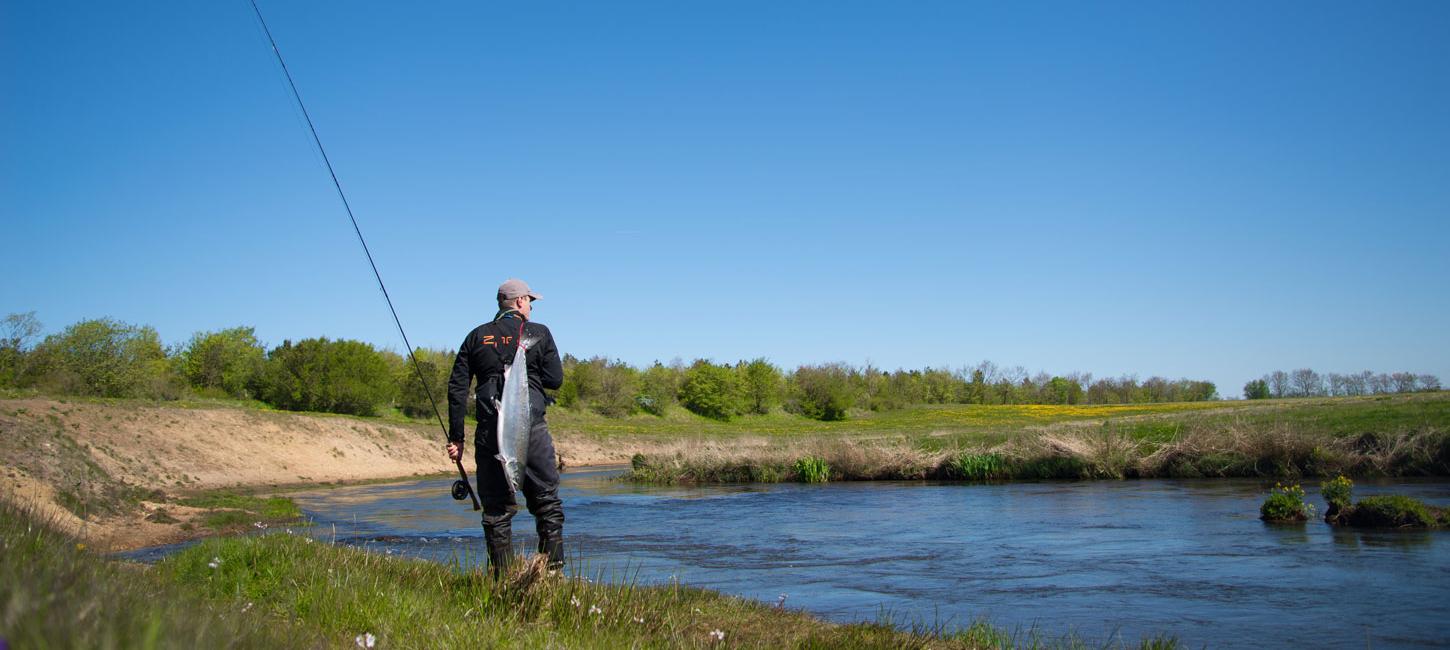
(455, 451)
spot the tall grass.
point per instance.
(56, 594)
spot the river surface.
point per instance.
(1108, 560)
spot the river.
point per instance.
(1108, 560)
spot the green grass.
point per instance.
(55, 594)
(286, 591)
(270, 508)
(1402, 435)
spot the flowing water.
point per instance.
(1108, 560)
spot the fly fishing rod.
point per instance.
(462, 486)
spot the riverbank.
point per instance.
(284, 590)
(1401, 435)
(119, 473)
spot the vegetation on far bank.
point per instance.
(107, 358)
(1404, 435)
(282, 591)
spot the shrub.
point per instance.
(18, 330)
(760, 384)
(1391, 511)
(227, 361)
(712, 391)
(1285, 503)
(435, 366)
(105, 358)
(334, 376)
(823, 392)
(658, 387)
(1338, 492)
(812, 470)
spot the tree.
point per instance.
(1403, 382)
(103, 357)
(413, 399)
(1307, 383)
(228, 361)
(823, 392)
(1256, 389)
(712, 391)
(760, 384)
(15, 335)
(1278, 383)
(659, 386)
(334, 376)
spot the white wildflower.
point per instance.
(780, 602)
(718, 635)
(594, 609)
(249, 606)
(639, 619)
(215, 562)
(366, 640)
(574, 600)
(259, 525)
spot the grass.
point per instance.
(1404, 435)
(54, 593)
(283, 591)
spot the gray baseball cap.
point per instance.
(514, 288)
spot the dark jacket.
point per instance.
(483, 355)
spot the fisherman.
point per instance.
(483, 356)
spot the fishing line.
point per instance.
(341, 195)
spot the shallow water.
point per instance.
(1110, 560)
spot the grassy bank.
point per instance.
(1402, 435)
(287, 591)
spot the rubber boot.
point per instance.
(500, 551)
(551, 544)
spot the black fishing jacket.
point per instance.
(483, 355)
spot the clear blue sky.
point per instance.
(1211, 191)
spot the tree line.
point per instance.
(108, 358)
(1305, 382)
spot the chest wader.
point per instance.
(540, 483)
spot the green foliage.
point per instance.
(228, 361)
(103, 358)
(760, 384)
(435, 366)
(1337, 492)
(269, 508)
(1256, 389)
(16, 331)
(1392, 511)
(823, 392)
(812, 470)
(976, 467)
(712, 391)
(606, 387)
(659, 386)
(333, 376)
(1285, 503)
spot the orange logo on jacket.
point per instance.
(488, 339)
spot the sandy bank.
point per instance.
(99, 468)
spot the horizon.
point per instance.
(909, 187)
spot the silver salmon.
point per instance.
(514, 418)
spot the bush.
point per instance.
(105, 358)
(760, 384)
(19, 329)
(606, 387)
(812, 470)
(227, 361)
(823, 392)
(1338, 492)
(333, 376)
(712, 391)
(1285, 504)
(1391, 511)
(658, 388)
(435, 366)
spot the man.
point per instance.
(484, 354)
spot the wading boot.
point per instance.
(551, 544)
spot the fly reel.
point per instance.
(460, 490)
